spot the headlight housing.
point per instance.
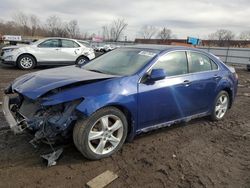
(10, 50)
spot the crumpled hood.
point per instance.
(34, 85)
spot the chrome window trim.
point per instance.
(39, 45)
(73, 41)
(180, 75)
(192, 51)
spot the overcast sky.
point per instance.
(185, 18)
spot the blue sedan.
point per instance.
(118, 95)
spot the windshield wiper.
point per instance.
(93, 70)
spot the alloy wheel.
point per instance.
(221, 106)
(105, 135)
(81, 61)
(26, 62)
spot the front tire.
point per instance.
(102, 134)
(220, 106)
(26, 62)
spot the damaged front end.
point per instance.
(48, 103)
(49, 124)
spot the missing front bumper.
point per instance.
(15, 126)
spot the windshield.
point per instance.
(121, 61)
(37, 42)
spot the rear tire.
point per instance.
(81, 60)
(102, 134)
(220, 107)
(26, 62)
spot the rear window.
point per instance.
(200, 63)
(69, 44)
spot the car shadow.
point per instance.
(173, 126)
(23, 154)
(39, 67)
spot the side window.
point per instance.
(52, 43)
(214, 65)
(199, 63)
(69, 44)
(174, 63)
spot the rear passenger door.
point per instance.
(205, 76)
(70, 51)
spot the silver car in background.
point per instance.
(47, 51)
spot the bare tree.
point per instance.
(9, 27)
(56, 27)
(115, 30)
(85, 35)
(119, 25)
(73, 29)
(34, 23)
(148, 31)
(165, 33)
(52, 24)
(223, 36)
(245, 35)
(22, 20)
(105, 32)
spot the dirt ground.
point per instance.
(199, 154)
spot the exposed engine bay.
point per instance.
(46, 108)
(49, 124)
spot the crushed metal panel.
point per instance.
(52, 157)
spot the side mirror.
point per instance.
(157, 74)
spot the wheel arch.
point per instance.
(82, 56)
(227, 86)
(230, 94)
(26, 54)
(129, 117)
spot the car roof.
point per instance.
(46, 38)
(162, 47)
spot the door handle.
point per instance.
(57, 49)
(187, 83)
(216, 77)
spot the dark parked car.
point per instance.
(248, 67)
(118, 95)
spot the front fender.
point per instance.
(89, 105)
(129, 103)
(119, 91)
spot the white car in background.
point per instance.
(47, 51)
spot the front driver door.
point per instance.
(165, 100)
(48, 51)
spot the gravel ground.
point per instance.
(200, 153)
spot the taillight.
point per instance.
(232, 70)
(236, 75)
